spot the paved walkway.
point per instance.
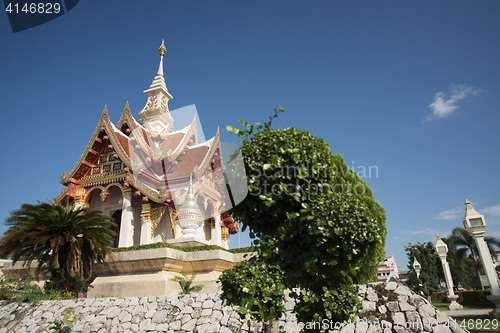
(468, 313)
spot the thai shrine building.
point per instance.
(139, 172)
(160, 184)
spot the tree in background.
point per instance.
(463, 242)
(317, 226)
(462, 267)
(63, 239)
(431, 272)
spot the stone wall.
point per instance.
(386, 308)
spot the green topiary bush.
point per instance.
(161, 245)
(318, 226)
(476, 298)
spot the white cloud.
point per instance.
(492, 210)
(450, 214)
(426, 232)
(444, 106)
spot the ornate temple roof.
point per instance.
(148, 155)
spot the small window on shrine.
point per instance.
(103, 158)
(95, 171)
(117, 166)
(112, 157)
(106, 168)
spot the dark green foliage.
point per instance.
(244, 249)
(329, 299)
(256, 287)
(65, 240)
(160, 245)
(287, 169)
(187, 284)
(330, 237)
(460, 238)
(439, 297)
(463, 268)
(476, 298)
(22, 290)
(431, 272)
(317, 223)
(66, 324)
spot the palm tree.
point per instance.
(64, 239)
(461, 239)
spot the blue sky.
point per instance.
(410, 88)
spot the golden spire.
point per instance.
(162, 48)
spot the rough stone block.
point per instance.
(441, 329)
(391, 286)
(413, 321)
(402, 290)
(398, 318)
(208, 304)
(392, 306)
(159, 316)
(428, 323)
(406, 306)
(368, 306)
(361, 327)
(427, 310)
(349, 328)
(189, 325)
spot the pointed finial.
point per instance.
(437, 235)
(467, 202)
(162, 48)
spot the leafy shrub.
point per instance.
(256, 287)
(66, 324)
(186, 284)
(438, 297)
(161, 245)
(22, 290)
(476, 298)
(318, 226)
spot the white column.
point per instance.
(485, 255)
(216, 234)
(447, 276)
(126, 237)
(145, 224)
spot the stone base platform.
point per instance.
(149, 272)
(146, 272)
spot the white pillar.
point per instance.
(216, 234)
(145, 224)
(485, 255)
(447, 276)
(126, 237)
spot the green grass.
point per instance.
(444, 306)
(479, 324)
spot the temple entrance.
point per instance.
(117, 218)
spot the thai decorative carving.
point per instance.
(146, 213)
(152, 102)
(173, 220)
(224, 233)
(156, 215)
